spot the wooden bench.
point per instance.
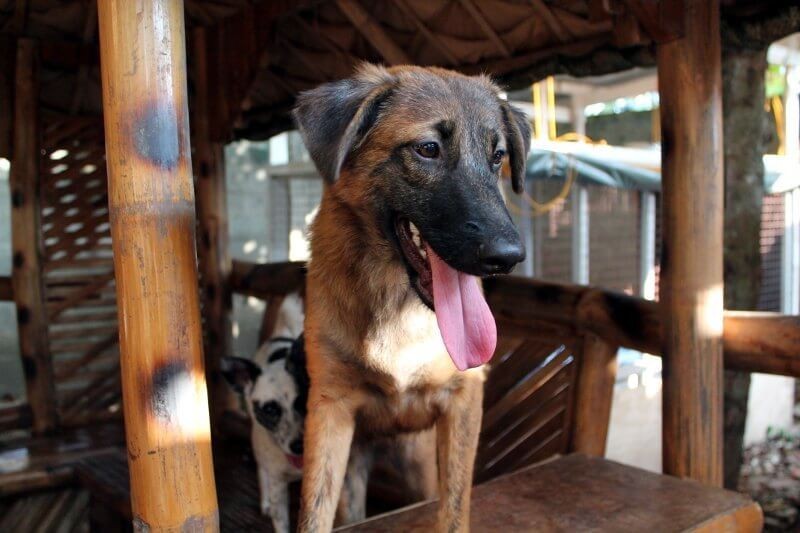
(30, 463)
(578, 493)
(106, 478)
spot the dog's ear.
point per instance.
(335, 117)
(518, 136)
(296, 361)
(239, 372)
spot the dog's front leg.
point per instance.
(263, 489)
(457, 433)
(279, 505)
(329, 432)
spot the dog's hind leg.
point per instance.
(457, 433)
(419, 455)
(329, 432)
(353, 500)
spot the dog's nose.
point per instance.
(296, 447)
(499, 255)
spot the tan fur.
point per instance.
(376, 360)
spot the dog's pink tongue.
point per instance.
(465, 321)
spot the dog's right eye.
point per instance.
(429, 150)
(268, 414)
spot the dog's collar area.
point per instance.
(413, 249)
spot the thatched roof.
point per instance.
(263, 53)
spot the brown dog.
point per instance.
(397, 326)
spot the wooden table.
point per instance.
(578, 493)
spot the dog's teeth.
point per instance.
(414, 230)
(416, 239)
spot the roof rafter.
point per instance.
(551, 21)
(373, 32)
(431, 37)
(326, 41)
(486, 28)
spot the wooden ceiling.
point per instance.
(262, 53)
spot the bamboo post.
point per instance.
(595, 391)
(26, 241)
(212, 214)
(691, 266)
(151, 204)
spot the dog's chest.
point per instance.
(385, 412)
(411, 377)
(407, 348)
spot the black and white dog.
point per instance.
(274, 385)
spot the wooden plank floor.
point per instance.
(577, 493)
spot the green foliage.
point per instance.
(775, 84)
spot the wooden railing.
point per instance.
(753, 341)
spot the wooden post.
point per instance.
(595, 390)
(212, 214)
(691, 265)
(151, 204)
(26, 241)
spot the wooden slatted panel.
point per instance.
(106, 476)
(79, 271)
(50, 511)
(528, 405)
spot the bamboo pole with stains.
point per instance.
(151, 203)
(690, 84)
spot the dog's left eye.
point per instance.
(497, 157)
(268, 414)
(428, 150)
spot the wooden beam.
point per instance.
(486, 28)
(26, 241)
(151, 204)
(431, 37)
(690, 84)
(500, 67)
(561, 33)
(594, 392)
(753, 341)
(267, 280)
(82, 78)
(212, 215)
(647, 14)
(373, 32)
(7, 57)
(762, 342)
(6, 289)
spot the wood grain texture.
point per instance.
(690, 84)
(752, 341)
(595, 390)
(26, 241)
(7, 58)
(267, 280)
(6, 289)
(151, 203)
(212, 216)
(373, 32)
(578, 493)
